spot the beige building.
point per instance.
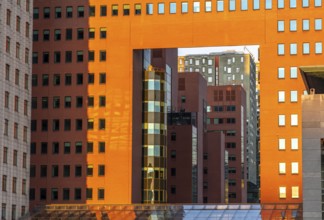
(15, 90)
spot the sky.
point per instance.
(205, 50)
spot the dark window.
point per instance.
(218, 108)
(80, 33)
(102, 124)
(45, 79)
(90, 124)
(90, 101)
(102, 55)
(126, 9)
(55, 170)
(101, 170)
(102, 101)
(67, 147)
(34, 103)
(66, 194)
(89, 170)
(205, 156)
(89, 193)
(44, 148)
(232, 157)
(45, 57)
(77, 194)
(79, 56)
(68, 56)
(56, 102)
(103, 10)
(69, 12)
(205, 185)
(173, 190)
(35, 35)
(56, 124)
(173, 136)
(68, 34)
(32, 148)
(205, 170)
(90, 147)
(78, 124)
(183, 99)
(79, 101)
(56, 148)
(91, 55)
(78, 170)
(46, 35)
(58, 12)
(35, 13)
(56, 79)
(230, 108)
(205, 199)
(33, 125)
(80, 11)
(232, 195)
(67, 101)
(43, 171)
(232, 182)
(230, 145)
(173, 172)
(78, 147)
(103, 33)
(66, 170)
(57, 34)
(138, 9)
(173, 154)
(232, 170)
(102, 78)
(230, 120)
(57, 57)
(35, 57)
(92, 11)
(32, 172)
(67, 124)
(32, 194)
(101, 194)
(102, 147)
(42, 193)
(46, 12)
(68, 79)
(91, 78)
(114, 10)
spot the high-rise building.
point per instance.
(233, 68)
(15, 90)
(289, 34)
(226, 111)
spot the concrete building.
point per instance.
(226, 112)
(15, 90)
(312, 145)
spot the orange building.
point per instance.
(85, 56)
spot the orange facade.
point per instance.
(126, 32)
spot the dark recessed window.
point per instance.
(80, 11)
(92, 11)
(103, 10)
(91, 77)
(101, 147)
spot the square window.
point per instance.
(293, 72)
(196, 7)
(282, 192)
(294, 144)
(281, 26)
(282, 144)
(293, 49)
(305, 48)
(318, 48)
(281, 72)
(294, 167)
(294, 120)
(318, 24)
(220, 5)
(305, 3)
(295, 192)
(281, 49)
(281, 120)
(305, 24)
(281, 96)
(317, 3)
(293, 96)
(149, 8)
(293, 25)
(160, 8)
(281, 3)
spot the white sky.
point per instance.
(205, 50)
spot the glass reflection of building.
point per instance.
(154, 135)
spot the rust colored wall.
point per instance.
(214, 147)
